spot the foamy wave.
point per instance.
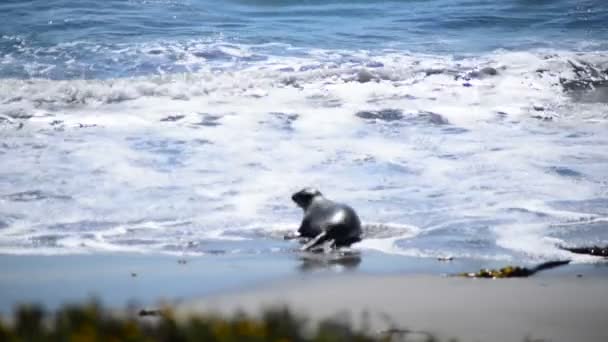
(461, 149)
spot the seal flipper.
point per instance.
(314, 242)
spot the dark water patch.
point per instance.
(474, 237)
(19, 114)
(164, 146)
(386, 115)
(383, 231)
(364, 76)
(209, 120)
(50, 240)
(454, 130)
(527, 212)
(202, 142)
(374, 64)
(324, 101)
(502, 115)
(581, 234)
(34, 195)
(434, 71)
(172, 118)
(379, 99)
(214, 251)
(397, 116)
(35, 146)
(481, 73)
(135, 242)
(449, 156)
(400, 168)
(81, 226)
(439, 244)
(579, 135)
(260, 233)
(283, 121)
(433, 118)
(310, 67)
(81, 125)
(257, 166)
(598, 206)
(565, 171)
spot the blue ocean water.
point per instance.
(81, 39)
(465, 128)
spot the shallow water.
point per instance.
(457, 128)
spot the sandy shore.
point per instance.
(553, 307)
(567, 303)
(145, 279)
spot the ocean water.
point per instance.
(474, 129)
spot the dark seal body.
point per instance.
(336, 221)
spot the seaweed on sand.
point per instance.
(513, 271)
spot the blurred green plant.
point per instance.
(84, 323)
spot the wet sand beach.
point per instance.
(562, 304)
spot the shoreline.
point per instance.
(119, 279)
(391, 292)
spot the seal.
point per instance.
(325, 220)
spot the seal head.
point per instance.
(305, 197)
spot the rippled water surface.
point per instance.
(465, 128)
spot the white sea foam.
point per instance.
(477, 161)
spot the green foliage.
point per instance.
(92, 323)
